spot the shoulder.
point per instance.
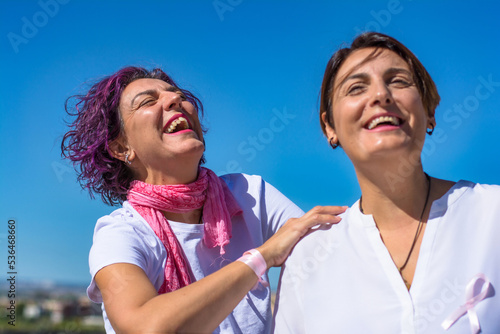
(486, 189)
(241, 180)
(482, 196)
(265, 201)
(255, 185)
(244, 186)
(318, 255)
(124, 237)
(467, 191)
(124, 220)
(124, 234)
(325, 239)
(473, 207)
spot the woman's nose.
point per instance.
(171, 100)
(381, 95)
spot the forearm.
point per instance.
(199, 307)
(203, 305)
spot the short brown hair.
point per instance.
(425, 84)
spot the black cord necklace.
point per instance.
(419, 229)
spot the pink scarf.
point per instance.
(209, 192)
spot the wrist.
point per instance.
(267, 254)
(254, 259)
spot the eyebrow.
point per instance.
(351, 77)
(392, 70)
(152, 92)
(396, 70)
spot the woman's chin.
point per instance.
(384, 151)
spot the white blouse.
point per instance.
(343, 279)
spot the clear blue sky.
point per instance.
(249, 62)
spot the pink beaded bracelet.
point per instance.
(257, 263)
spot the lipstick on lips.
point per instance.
(383, 121)
(177, 124)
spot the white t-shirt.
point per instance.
(125, 237)
(343, 280)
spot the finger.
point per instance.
(328, 210)
(318, 218)
(334, 209)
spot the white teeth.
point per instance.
(176, 122)
(383, 119)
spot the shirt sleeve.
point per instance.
(278, 209)
(123, 238)
(270, 206)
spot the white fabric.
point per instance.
(125, 237)
(343, 280)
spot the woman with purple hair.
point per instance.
(186, 246)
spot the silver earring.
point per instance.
(127, 160)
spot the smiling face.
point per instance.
(377, 108)
(162, 132)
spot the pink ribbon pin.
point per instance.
(471, 300)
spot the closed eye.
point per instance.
(146, 102)
(399, 77)
(355, 89)
(401, 82)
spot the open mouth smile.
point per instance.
(177, 124)
(383, 120)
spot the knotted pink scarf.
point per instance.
(209, 192)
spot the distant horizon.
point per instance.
(46, 283)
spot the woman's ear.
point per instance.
(329, 130)
(431, 124)
(432, 121)
(120, 150)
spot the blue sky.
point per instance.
(256, 65)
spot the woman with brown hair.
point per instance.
(415, 254)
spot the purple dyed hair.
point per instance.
(97, 124)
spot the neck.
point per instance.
(191, 217)
(394, 200)
(181, 173)
(166, 174)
